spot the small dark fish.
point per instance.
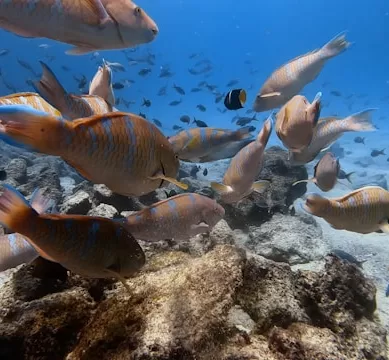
(343, 175)
(143, 115)
(165, 73)
(157, 122)
(118, 100)
(235, 99)
(211, 87)
(175, 102)
(146, 102)
(376, 152)
(177, 127)
(387, 291)
(81, 82)
(162, 91)
(232, 83)
(223, 111)
(201, 107)
(144, 71)
(179, 89)
(65, 68)
(195, 90)
(170, 193)
(200, 123)
(243, 121)
(335, 93)
(28, 67)
(205, 172)
(118, 85)
(359, 140)
(4, 52)
(249, 111)
(194, 170)
(346, 256)
(185, 119)
(194, 55)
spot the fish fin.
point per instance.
(301, 181)
(179, 184)
(270, 95)
(92, 11)
(384, 226)
(316, 105)
(79, 50)
(221, 188)
(14, 209)
(335, 46)
(51, 89)
(40, 203)
(361, 121)
(260, 186)
(199, 228)
(25, 127)
(117, 276)
(264, 134)
(242, 97)
(15, 29)
(348, 176)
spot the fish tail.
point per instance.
(348, 176)
(51, 89)
(40, 203)
(335, 46)
(25, 127)
(361, 121)
(264, 134)
(15, 211)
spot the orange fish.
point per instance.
(195, 144)
(289, 79)
(101, 84)
(296, 122)
(89, 25)
(246, 165)
(71, 106)
(31, 99)
(179, 217)
(90, 246)
(123, 151)
(363, 211)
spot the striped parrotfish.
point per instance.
(71, 106)
(123, 151)
(363, 211)
(296, 122)
(179, 217)
(15, 249)
(330, 129)
(289, 79)
(246, 165)
(88, 25)
(31, 99)
(101, 84)
(325, 173)
(90, 246)
(195, 145)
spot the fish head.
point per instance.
(170, 163)
(315, 205)
(133, 23)
(213, 213)
(268, 100)
(101, 84)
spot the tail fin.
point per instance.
(15, 210)
(243, 133)
(335, 46)
(361, 121)
(25, 127)
(348, 176)
(40, 203)
(51, 89)
(264, 134)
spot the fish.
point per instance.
(175, 102)
(330, 129)
(201, 107)
(146, 102)
(165, 73)
(15, 249)
(232, 83)
(244, 120)
(101, 84)
(90, 246)
(179, 217)
(239, 180)
(336, 93)
(118, 85)
(179, 89)
(116, 66)
(4, 52)
(193, 171)
(195, 90)
(31, 99)
(359, 140)
(157, 122)
(235, 99)
(205, 172)
(71, 106)
(177, 127)
(88, 25)
(185, 119)
(144, 72)
(296, 122)
(162, 91)
(325, 173)
(27, 66)
(199, 123)
(376, 152)
(123, 144)
(343, 175)
(362, 211)
(387, 291)
(289, 79)
(193, 144)
(343, 255)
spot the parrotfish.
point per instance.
(123, 151)
(89, 246)
(101, 84)
(195, 144)
(296, 122)
(246, 165)
(363, 211)
(330, 129)
(325, 173)
(71, 106)
(289, 79)
(31, 99)
(179, 217)
(89, 25)
(15, 249)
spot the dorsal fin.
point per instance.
(89, 121)
(16, 95)
(347, 196)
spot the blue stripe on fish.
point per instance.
(32, 5)
(192, 198)
(138, 218)
(132, 143)
(57, 7)
(154, 211)
(173, 208)
(151, 150)
(106, 123)
(93, 136)
(69, 135)
(203, 135)
(12, 243)
(92, 232)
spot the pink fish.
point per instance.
(89, 25)
(101, 84)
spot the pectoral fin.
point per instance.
(270, 95)
(199, 228)
(260, 186)
(171, 180)
(221, 188)
(384, 226)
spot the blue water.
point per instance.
(268, 33)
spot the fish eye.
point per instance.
(176, 156)
(138, 10)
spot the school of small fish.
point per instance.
(133, 157)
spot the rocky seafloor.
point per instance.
(230, 294)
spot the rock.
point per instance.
(104, 210)
(17, 170)
(119, 202)
(290, 239)
(373, 180)
(78, 203)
